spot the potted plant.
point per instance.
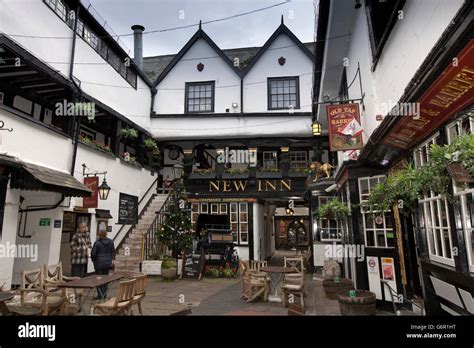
(299, 172)
(236, 173)
(169, 269)
(203, 173)
(407, 185)
(357, 302)
(269, 173)
(334, 209)
(151, 146)
(128, 133)
(228, 273)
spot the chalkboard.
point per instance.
(128, 209)
(193, 265)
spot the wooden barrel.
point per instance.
(331, 288)
(362, 304)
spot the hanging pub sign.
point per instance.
(92, 183)
(345, 132)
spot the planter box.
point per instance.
(332, 288)
(270, 175)
(153, 267)
(202, 176)
(297, 175)
(235, 176)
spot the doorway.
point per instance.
(70, 225)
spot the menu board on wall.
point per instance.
(128, 209)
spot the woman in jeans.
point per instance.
(80, 248)
(103, 253)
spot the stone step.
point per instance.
(122, 259)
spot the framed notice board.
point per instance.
(193, 265)
(128, 209)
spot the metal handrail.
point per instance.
(405, 300)
(131, 213)
(149, 240)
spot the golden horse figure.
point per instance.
(320, 169)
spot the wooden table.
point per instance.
(90, 283)
(276, 274)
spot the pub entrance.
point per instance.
(71, 222)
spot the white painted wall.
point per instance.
(230, 127)
(33, 143)
(258, 230)
(297, 64)
(10, 221)
(409, 43)
(171, 91)
(40, 20)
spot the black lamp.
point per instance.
(104, 190)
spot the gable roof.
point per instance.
(153, 66)
(282, 29)
(200, 34)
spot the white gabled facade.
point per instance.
(246, 88)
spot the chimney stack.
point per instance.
(138, 44)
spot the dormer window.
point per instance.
(199, 97)
(283, 93)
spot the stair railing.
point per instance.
(150, 237)
(132, 213)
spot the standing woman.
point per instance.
(103, 253)
(80, 250)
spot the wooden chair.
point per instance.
(245, 277)
(293, 284)
(53, 274)
(306, 260)
(258, 286)
(140, 293)
(34, 294)
(296, 262)
(120, 304)
(256, 265)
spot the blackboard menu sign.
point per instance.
(193, 265)
(128, 209)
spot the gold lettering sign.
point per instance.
(241, 185)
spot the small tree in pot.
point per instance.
(334, 209)
(176, 232)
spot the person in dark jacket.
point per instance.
(103, 254)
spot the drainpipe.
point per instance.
(241, 95)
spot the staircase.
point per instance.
(130, 261)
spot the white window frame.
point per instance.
(374, 230)
(296, 163)
(323, 200)
(244, 223)
(434, 227)
(464, 194)
(274, 158)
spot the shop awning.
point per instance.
(103, 214)
(28, 176)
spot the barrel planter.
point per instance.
(331, 287)
(363, 303)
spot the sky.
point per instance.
(244, 31)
